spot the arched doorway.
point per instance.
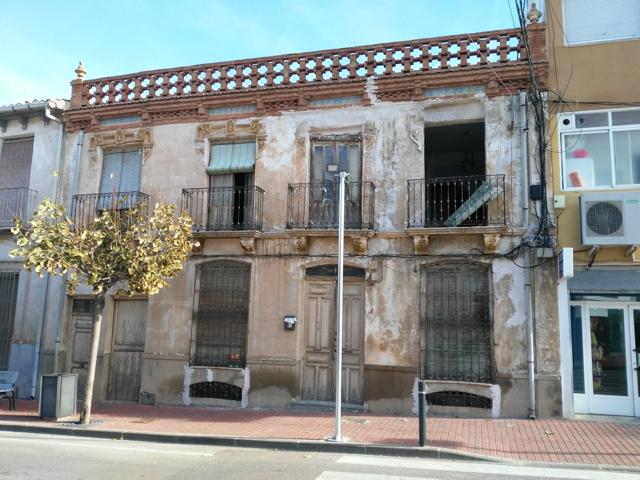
(318, 372)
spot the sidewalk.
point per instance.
(602, 442)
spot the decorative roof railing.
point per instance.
(430, 55)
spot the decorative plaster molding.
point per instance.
(360, 244)
(491, 242)
(198, 248)
(301, 243)
(228, 130)
(420, 244)
(122, 138)
(248, 245)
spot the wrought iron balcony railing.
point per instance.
(315, 205)
(456, 201)
(224, 208)
(15, 203)
(86, 207)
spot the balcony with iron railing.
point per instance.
(224, 209)
(315, 206)
(467, 201)
(87, 206)
(15, 203)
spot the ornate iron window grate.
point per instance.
(222, 317)
(458, 399)
(224, 391)
(457, 323)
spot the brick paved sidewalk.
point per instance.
(605, 442)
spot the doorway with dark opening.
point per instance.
(457, 190)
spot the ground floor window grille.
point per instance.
(457, 323)
(8, 292)
(222, 316)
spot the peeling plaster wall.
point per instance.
(393, 152)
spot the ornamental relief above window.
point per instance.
(140, 137)
(229, 131)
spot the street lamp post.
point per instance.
(338, 363)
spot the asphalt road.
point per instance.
(35, 456)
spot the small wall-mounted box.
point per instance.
(558, 201)
(290, 322)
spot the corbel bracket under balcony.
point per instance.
(490, 236)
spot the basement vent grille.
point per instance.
(224, 391)
(458, 399)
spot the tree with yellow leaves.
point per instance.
(125, 249)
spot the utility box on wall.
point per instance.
(58, 394)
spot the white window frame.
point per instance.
(568, 43)
(610, 129)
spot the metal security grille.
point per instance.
(458, 399)
(8, 292)
(222, 390)
(457, 323)
(222, 317)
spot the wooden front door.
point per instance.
(318, 376)
(81, 328)
(127, 347)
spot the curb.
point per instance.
(249, 442)
(301, 446)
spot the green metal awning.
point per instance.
(232, 157)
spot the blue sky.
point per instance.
(42, 40)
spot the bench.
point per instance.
(8, 387)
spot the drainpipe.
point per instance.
(74, 186)
(524, 173)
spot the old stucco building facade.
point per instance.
(428, 133)
(31, 137)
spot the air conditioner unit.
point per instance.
(566, 121)
(610, 218)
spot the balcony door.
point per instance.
(606, 346)
(329, 157)
(120, 180)
(455, 169)
(231, 199)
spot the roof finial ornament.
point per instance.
(534, 14)
(80, 71)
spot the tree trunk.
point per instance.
(85, 414)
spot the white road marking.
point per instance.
(485, 468)
(83, 444)
(329, 475)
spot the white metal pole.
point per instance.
(338, 363)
